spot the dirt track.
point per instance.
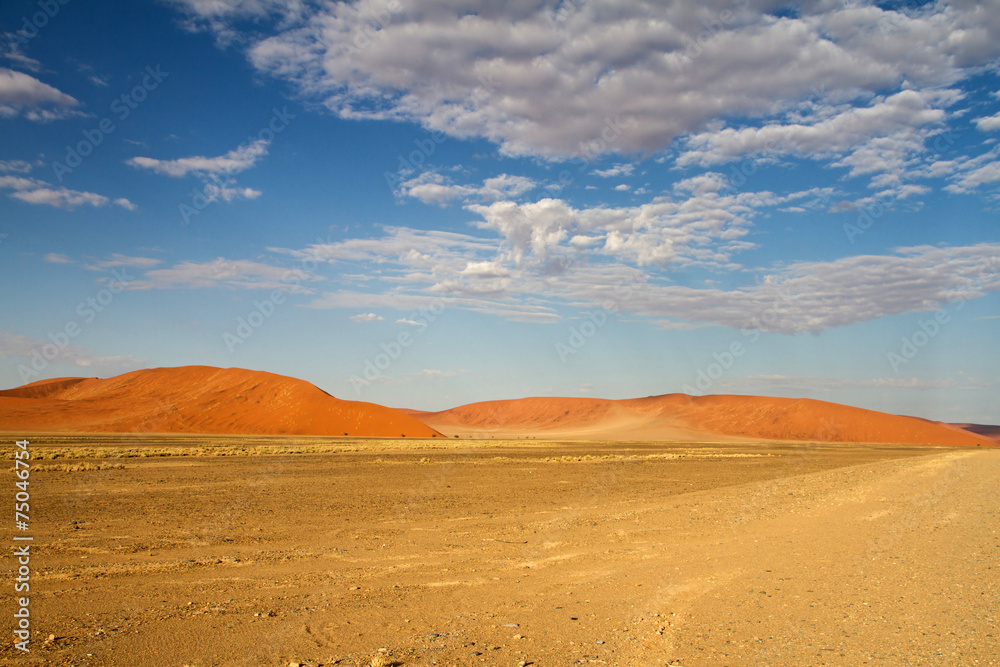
(682, 555)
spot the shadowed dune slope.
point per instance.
(683, 417)
(989, 430)
(197, 399)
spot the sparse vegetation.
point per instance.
(128, 446)
(74, 467)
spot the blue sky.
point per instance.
(428, 203)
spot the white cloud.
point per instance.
(239, 159)
(214, 172)
(623, 169)
(10, 42)
(225, 273)
(412, 323)
(814, 296)
(366, 317)
(824, 131)
(57, 258)
(15, 166)
(969, 174)
(18, 346)
(116, 260)
(469, 273)
(35, 191)
(699, 225)
(433, 188)
(807, 383)
(989, 123)
(438, 374)
(548, 80)
(22, 93)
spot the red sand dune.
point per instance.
(683, 417)
(197, 399)
(987, 430)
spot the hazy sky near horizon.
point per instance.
(424, 203)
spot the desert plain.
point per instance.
(279, 550)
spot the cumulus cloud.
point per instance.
(543, 78)
(624, 169)
(22, 93)
(969, 174)
(702, 223)
(799, 297)
(824, 132)
(989, 123)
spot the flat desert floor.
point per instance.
(510, 553)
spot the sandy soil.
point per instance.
(518, 553)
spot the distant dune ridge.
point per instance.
(203, 399)
(197, 399)
(683, 417)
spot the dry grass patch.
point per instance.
(75, 467)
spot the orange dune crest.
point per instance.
(699, 418)
(197, 399)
